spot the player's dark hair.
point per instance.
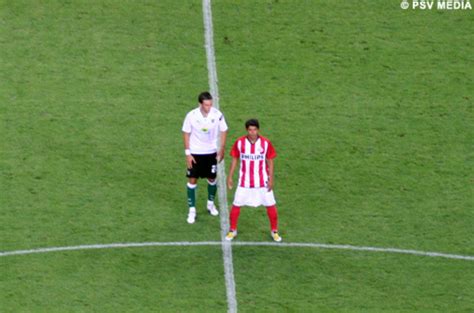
(252, 122)
(204, 96)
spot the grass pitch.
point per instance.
(369, 108)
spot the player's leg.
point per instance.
(272, 212)
(211, 172)
(234, 218)
(192, 174)
(191, 192)
(273, 218)
(239, 200)
(211, 195)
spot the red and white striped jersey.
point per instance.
(253, 168)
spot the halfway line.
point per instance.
(221, 178)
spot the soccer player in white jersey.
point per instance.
(201, 130)
(255, 188)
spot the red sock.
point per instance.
(273, 217)
(234, 217)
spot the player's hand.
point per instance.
(220, 155)
(270, 184)
(230, 183)
(189, 161)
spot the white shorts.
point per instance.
(253, 197)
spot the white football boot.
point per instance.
(211, 208)
(191, 216)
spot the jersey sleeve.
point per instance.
(187, 124)
(222, 123)
(271, 153)
(234, 152)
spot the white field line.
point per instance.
(109, 246)
(358, 248)
(221, 177)
(240, 243)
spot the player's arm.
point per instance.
(233, 165)
(270, 164)
(220, 153)
(223, 136)
(189, 158)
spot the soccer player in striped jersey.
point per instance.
(255, 187)
(201, 129)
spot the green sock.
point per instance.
(191, 195)
(211, 191)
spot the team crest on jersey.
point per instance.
(262, 151)
(213, 120)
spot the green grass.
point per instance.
(90, 107)
(306, 280)
(368, 106)
(370, 109)
(135, 280)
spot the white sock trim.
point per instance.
(192, 186)
(213, 183)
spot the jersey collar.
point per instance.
(202, 114)
(258, 138)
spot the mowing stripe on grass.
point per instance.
(240, 243)
(221, 181)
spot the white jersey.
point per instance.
(204, 130)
